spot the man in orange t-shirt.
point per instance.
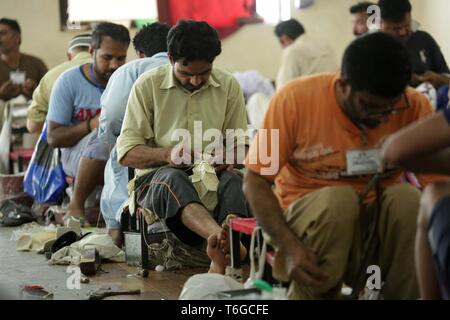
(321, 148)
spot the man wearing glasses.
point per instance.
(335, 212)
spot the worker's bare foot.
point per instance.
(224, 239)
(218, 260)
(218, 248)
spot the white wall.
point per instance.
(252, 47)
(256, 46)
(41, 34)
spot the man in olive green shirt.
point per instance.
(78, 54)
(185, 99)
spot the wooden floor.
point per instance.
(21, 268)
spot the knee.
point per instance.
(402, 196)
(230, 180)
(431, 195)
(172, 174)
(342, 202)
(402, 202)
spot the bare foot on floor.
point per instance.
(218, 250)
(224, 238)
(218, 259)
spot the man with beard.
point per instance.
(428, 62)
(74, 112)
(77, 54)
(174, 99)
(359, 18)
(335, 212)
(150, 43)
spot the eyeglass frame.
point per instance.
(391, 110)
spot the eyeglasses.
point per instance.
(391, 110)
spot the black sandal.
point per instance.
(13, 214)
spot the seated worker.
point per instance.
(428, 62)
(322, 136)
(423, 147)
(74, 112)
(359, 18)
(77, 53)
(302, 55)
(175, 99)
(19, 72)
(150, 43)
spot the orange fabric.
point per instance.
(314, 134)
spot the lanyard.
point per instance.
(97, 83)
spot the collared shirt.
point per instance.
(309, 136)
(114, 99)
(114, 103)
(158, 105)
(306, 56)
(37, 111)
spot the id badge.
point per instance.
(363, 162)
(17, 77)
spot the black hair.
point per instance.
(394, 10)
(361, 7)
(151, 39)
(291, 28)
(13, 24)
(106, 29)
(193, 40)
(377, 63)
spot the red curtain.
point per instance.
(221, 14)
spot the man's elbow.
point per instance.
(34, 127)
(124, 161)
(52, 140)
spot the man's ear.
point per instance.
(344, 87)
(172, 62)
(140, 54)
(91, 51)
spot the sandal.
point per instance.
(13, 214)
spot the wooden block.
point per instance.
(90, 261)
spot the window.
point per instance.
(274, 11)
(80, 14)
